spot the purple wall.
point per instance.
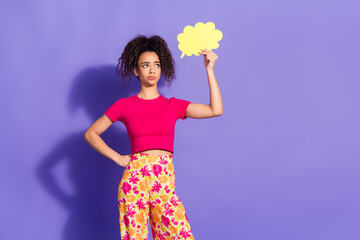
(281, 163)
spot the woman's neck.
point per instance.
(148, 94)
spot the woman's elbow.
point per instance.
(87, 135)
(219, 113)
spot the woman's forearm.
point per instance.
(215, 95)
(96, 142)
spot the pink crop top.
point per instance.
(150, 123)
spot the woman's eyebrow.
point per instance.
(149, 62)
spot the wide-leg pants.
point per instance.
(147, 188)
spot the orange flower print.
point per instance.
(181, 207)
(179, 215)
(122, 207)
(164, 198)
(140, 218)
(156, 218)
(163, 179)
(156, 209)
(132, 231)
(131, 197)
(172, 231)
(143, 185)
(171, 168)
(152, 159)
(135, 164)
(125, 175)
(139, 236)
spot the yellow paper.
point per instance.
(202, 36)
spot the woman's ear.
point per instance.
(136, 72)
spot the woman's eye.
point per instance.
(158, 65)
(145, 65)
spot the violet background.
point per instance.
(281, 163)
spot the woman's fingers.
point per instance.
(209, 53)
(205, 51)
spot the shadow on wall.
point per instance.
(94, 178)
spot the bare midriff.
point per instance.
(157, 152)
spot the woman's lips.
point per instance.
(151, 78)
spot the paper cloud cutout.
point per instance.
(202, 36)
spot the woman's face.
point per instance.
(149, 70)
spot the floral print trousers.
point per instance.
(147, 188)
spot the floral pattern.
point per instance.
(147, 189)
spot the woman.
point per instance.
(147, 187)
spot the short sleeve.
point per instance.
(115, 111)
(181, 106)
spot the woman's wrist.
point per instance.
(209, 69)
(123, 160)
(119, 160)
(128, 163)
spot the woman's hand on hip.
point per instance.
(124, 160)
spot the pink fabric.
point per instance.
(150, 123)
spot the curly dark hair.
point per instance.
(131, 54)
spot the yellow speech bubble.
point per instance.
(202, 36)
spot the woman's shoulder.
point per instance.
(126, 99)
(178, 100)
(174, 98)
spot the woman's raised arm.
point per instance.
(215, 108)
